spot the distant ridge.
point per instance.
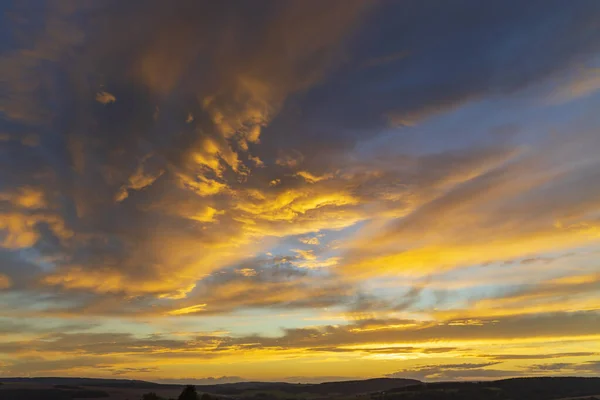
(336, 387)
(50, 380)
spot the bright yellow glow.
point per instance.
(187, 310)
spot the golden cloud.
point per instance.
(26, 197)
(5, 282)
(105, 97)
(310, 178)
(21, 229)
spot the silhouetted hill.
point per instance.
(513, 389)
(341, 387)
(50, 394)
(363, 386)
(375, 389)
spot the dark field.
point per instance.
(371, 389)
(79, 388)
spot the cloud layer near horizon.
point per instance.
(401, 183)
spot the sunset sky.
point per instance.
(215, 191)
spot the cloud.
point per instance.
(59, 365)
(233, 109)
(310, 240)
(591, 367)
(277, 283)
(393, 350)
(586, 368)
(20, 230)
(307, 259)
(393, 336)
(257, 161)
(130, 370)
(471, 374)
(538, 356)
(108, 153)
(366, 303)
(5, 282)
(291, 159)
(137, 181)
(203, 381)
(25, 197)
(317, 379)
(583, 83)
(474, 219)
(298, 162)
(105, 98)
(452, 371)
(407, 339)
(310, 178)
(377, 61)
(208, 215)
(572, 290)
(550, 367)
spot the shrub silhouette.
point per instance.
(188, 393)
(150, 396)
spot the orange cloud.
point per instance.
(105, 98)
(26, 197)
(310, 178)
(20, 230)
(5, 282)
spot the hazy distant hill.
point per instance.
(341, 387)
(328, 388)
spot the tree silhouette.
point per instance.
(188, 393)
(150, 396)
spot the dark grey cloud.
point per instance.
(551, 367)
(455, 52)
(203, 381)
(95, 344)
(540, 325)
(132, 370)
(537, 356)
(321, 338)
(454, 371)
(592, 367)
(586, 368)
(365, 303)
(317, 379)
(21, 272)
(387, 350)
(44, 366)
(12, 326)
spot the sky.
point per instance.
(290, 190)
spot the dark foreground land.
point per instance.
(370, 389)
